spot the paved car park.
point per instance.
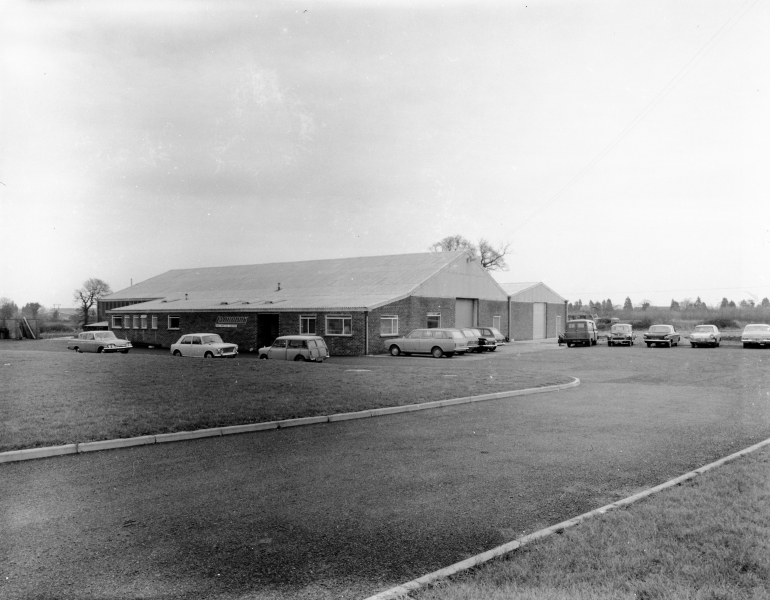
(345, 509)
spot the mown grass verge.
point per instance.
(52, 398)
(708, 539)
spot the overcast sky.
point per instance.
(621, 148)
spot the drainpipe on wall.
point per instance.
(366, 332)
(565, 316)
(510, 325)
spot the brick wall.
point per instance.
(521, 317)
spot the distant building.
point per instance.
(537, 312)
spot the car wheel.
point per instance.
(450, 354)
(208, 355)
(744, 345)
(263, 357)
(569, 344)
(716, 344)
(437, 352)
(177, 353)
(609, 343)
(395, 350)
(299, 358)
(649, 345)
(99, 350)
(493, 349)
(76, 349)
(124, 351)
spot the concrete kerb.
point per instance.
(33, 453)
(400, 591)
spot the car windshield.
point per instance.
(456, 334)
(660, 329)
(757, 327)
(212, 338)
(704, 329)
(104, 335)
(496, 331)
(621, 328)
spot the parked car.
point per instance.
(621, 334)
(477, 341)
(296, 347)
(436, 341)
(756, 334)
(580, 331)
(99, 341)
(705, 335)
(203, 345)
(493, 332)
(662, 335)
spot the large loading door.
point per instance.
(464, 313)
(538, 320)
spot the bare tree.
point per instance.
(32, 309)
(453, 243)
(86, 297)
(491, 258)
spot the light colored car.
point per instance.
(477, 341)
(621, 334)
(705, 335)
(756, 334)
(436, 341)
(296, 347)
(99, 341)
(662, 335)
(493, 332)
(580, 331)
(203, 345)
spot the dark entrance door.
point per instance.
(267, 330)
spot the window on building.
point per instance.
(154, 321)
(307, 324)
(496, 323)
(173, 322)
(144, 321)
(136, 321)
(117, 322)
(389, 325)
(339, 325)
(434, 320)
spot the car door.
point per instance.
(184, 345)
(412, 341)
(197, 347)
(278, 350)
(426, 341)
(89, 344)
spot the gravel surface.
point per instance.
(347, 509)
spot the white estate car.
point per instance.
(705, 335)
(203, 345)
(99, 341)
(756, 334)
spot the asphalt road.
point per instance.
(346, 509)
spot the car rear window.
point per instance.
(757, 327)
(458, 334)
(660, 329)
(576, 325)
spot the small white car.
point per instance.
(756, 334)
(203, 345)
(99, 341)
(297, 348)
(705, 335)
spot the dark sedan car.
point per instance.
(662, 335)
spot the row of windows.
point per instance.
(335, 325)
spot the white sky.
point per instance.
(141, 137)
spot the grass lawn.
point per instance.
(52, 396)
(707, 539)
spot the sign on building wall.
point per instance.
(230, 321)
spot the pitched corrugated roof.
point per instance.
(364, 282)
(515, 288)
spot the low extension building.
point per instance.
(357, 304)
(537, 312)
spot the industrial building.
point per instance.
(357, 304)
